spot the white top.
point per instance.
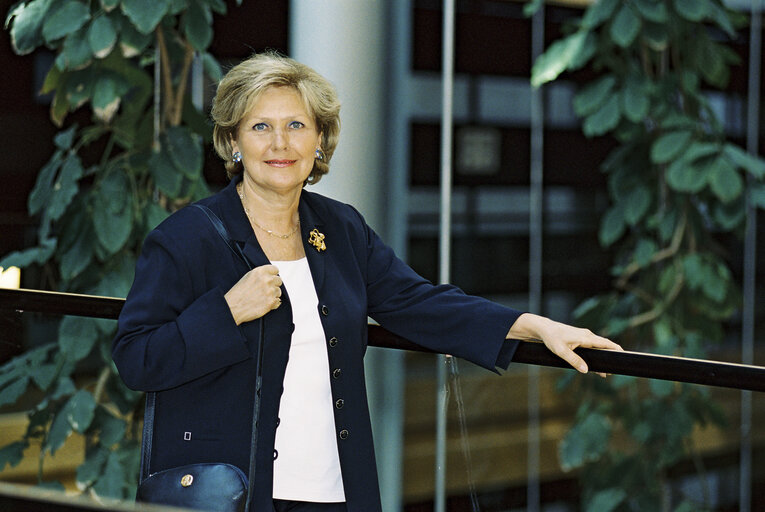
(307, 465)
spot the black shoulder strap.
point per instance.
(221, 229)
(151, 397)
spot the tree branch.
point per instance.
(167, 79)
(180, 92)
(662, 255)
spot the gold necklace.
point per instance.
(239, 189)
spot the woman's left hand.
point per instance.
(560, 338)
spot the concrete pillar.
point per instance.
(345, 40)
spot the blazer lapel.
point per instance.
(232, 214)
(310, 220)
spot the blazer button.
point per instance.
(339, 403)
(332, 341)
(276, 454)
(278, 420)
(336, 373)
(344, 434)
(324, 310)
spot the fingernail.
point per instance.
(582, 368)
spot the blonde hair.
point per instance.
(239, 90)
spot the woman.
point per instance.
(189, 326)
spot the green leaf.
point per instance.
(80, 410)
(612, 226)
(79, 87)
(198, 25)
(60, 429)
(78, 256)
(111, 483)
(107, 94)
(218, 6)
(598, 12)
(557, 58)
(90, 470)
(154, 214)
(44, 184)
(585, 442)
(10, 393)
(211, 67)
(692, 10)
(656, 36)
(24, 258)
(714, 283)
(730, 215)
(713, 64)
(661, 388)
(101, 36)
(604, 120)
(667, 279)
(185, 151)
(26, 21)
(756, 194)
(687, 506)
(64, 139)
(636, 204)
(635, 101)
(694, 270)
(111, 429)
(116, 282)
(65, 187)
(669, 145)
(109, 5)
(75, 52)
(652, 10)
(593, 95)
(52, 80)
(125, 399)
(44, 375)
(132, 42)
(64, 387)
(698, 150)
(607, 500)
(687, 177)
(752, 164)
(113, 216)
(145, 14)
(531, 7)
(12, 454)
(76, 337)
(725, 181)
(723, 19)
(644, 251)
(625, 26)
(62, 21)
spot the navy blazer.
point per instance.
(177, 336)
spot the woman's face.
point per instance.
(278, 141)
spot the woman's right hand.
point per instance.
(256, 293)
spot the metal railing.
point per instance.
(636, 364)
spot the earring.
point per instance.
(236, 157)
(320, 155)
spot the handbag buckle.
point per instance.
(187, 480)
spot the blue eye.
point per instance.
(259, 127)
(296, 124)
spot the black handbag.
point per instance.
(206, 486)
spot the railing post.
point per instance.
(447, 80)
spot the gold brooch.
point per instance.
(317, 240)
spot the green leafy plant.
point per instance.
(676, 185)
(106, 185)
